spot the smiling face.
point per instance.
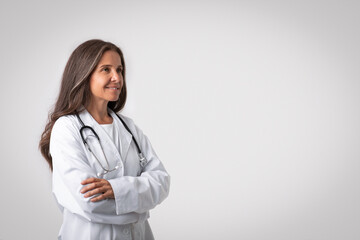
(107, 80)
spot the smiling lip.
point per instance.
(114, 88)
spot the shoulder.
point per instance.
(65, 125)
(65, 138)
(67, 121)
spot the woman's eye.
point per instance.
(106, 70)
(119, 70)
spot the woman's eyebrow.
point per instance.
(108, 65)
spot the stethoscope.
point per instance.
(142, 159)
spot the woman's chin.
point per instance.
(114, 99)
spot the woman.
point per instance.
(103, 182)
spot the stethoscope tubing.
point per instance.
(142, 159)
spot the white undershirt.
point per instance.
(113, 133)
(109, 129)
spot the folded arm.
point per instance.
(70, 168)
(142, 193)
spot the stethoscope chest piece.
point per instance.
(143, 160)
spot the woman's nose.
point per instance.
(115, 76)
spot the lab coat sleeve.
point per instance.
(142, 193)
(70, 167)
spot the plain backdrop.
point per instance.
(253, 107)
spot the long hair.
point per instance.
(75, 90)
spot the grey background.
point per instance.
(253, 106)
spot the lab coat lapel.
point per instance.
(125, 136)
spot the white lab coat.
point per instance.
(124, 217)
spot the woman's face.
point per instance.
(106, 81)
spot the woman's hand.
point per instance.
(97, 186)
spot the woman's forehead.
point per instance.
(110, 57)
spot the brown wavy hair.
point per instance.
(75, 90)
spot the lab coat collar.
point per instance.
(125, 136)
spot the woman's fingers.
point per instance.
(91, 186)
(108, 194)
(97, 186)
(90, 180)
(95, 191)
(101, 197)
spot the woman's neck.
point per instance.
(99, 112)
